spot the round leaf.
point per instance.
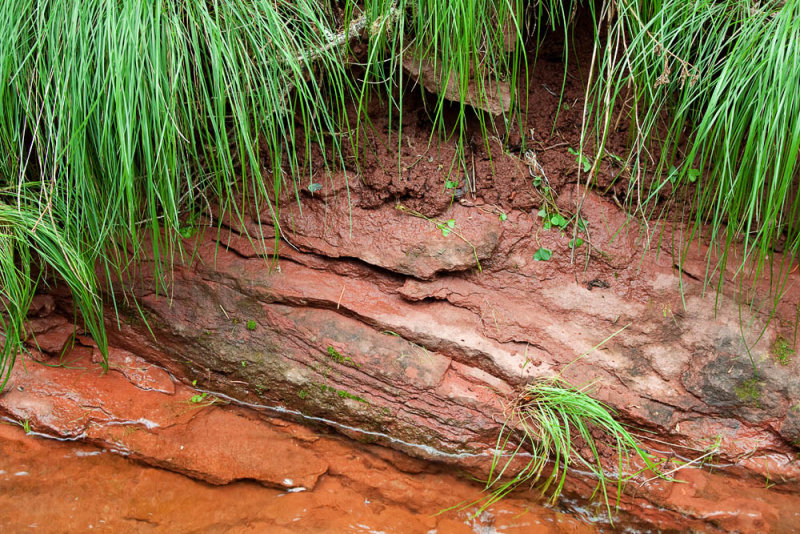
(543, 254)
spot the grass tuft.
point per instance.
(709, 93)
(559, 427)
(121, 119)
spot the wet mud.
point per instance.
(113, 453)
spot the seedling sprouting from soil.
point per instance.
(447, 227)
(543, 254)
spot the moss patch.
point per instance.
(334, 355)
(749, 391)
(341, 393)
(782, 350)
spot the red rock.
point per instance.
(425, 365)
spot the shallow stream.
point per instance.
(61, 486)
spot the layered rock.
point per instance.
(380, 324)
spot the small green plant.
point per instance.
(561, 426)
(447, 227)
(244, 363)
(324, 388)
(581, 159)
(691, 175)
(552, 220)
(543, 254)
(251, 324)
(558, 220)
(782, 350)
(197, 399)
(336, 356)
(26, 425)
(749, 391)
(347, 395)
(302, 394)
(189, 227)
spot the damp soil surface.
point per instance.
(377, 325)
(86, 465)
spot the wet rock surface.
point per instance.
(421, 356)
(278, 476)
(407, 313)
(423, 361)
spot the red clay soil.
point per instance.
(381, 326)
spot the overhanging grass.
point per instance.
(121, 118)
(710, 90)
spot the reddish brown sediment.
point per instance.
(424, 363)
(245, 472)
(377, 325)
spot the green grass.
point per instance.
(709, 91)
(122, 120)
(126, 124)
(561, 428)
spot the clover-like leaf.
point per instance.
(187, 231)
(543, 254)
(558, 220)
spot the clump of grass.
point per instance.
(709, 90)
(558, 425)
(121, 119)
